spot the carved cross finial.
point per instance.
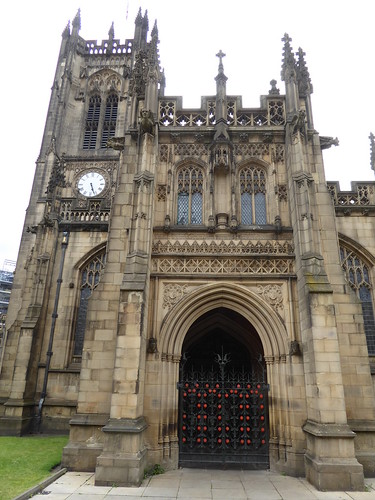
(303, 77)
(286, 38)
(220, 55)
(288, 65)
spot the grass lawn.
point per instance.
(25, 461)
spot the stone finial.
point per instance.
(77, 21)
(220, 55)
(274, 90)
(139, 18)
(57, 177)
(155, 31)
(303, 77)
(288, 68)
(111, 32)
(66, 32)
(145, 20)
(372, 150)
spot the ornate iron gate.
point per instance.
(223, 417)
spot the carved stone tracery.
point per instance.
(272, 294)
(222, 266)
(173, 292)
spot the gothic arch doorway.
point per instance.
(223, 404)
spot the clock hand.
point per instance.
(92, 189)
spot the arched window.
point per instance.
(110, 118)
(253, 196)
(92, 122)
(357, 274)
(190, 196)
(89, 279)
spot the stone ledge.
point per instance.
(89, 419)
(128, 425)
(328, 430)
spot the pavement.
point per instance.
(197, 484)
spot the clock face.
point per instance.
(91, 184)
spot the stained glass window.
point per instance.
(253, 196)
(357, 274)
(90, 277)
(190, 196)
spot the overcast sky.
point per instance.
(337, 36)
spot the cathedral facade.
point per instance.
(190, 291)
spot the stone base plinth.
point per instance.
(364, 444)
(122, 469)
(85, 442)
(18, 418)
(123, 460)
(330, 459)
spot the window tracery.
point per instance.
(358, 276)
(89, 279)
(253, 196)
(100, 120)
(190, 196)
(92, 122)
(110, 119)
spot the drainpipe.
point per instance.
(43, 394)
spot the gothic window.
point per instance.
(110, 118)
(89, 279)
(253, 196)
(357, 274)
(92, 122)
(190, 196)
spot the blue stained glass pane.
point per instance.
(196, 208)
(364, 294)
(246, 209)
(183, 209)
(260, 209)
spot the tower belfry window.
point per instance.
(92, 122)
(190, 196)
(110, 119)
(253, 196)
(357, 274)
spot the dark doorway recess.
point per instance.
(223, 404)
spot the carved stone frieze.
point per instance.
(255, 150)
(223, 247)
(104, 80)
(191, 149)
(222, 266)
(79, 166)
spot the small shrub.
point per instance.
(154, 471)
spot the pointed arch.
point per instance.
(356, 263)
(90, 270)
(252, 182)
(267, 323)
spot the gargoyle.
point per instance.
(116, 143)
(146, 123)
